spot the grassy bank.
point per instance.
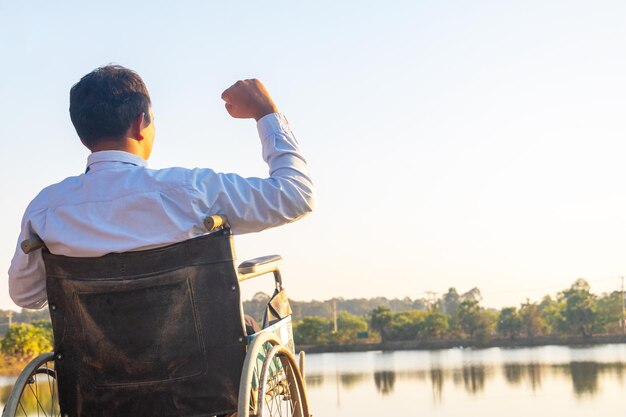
(11, 366)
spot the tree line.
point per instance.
(574, 311)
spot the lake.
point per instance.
(546, 381)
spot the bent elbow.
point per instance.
(30, 298)
(308, 204)
(297, 199)
(305, 203)
(28, 303)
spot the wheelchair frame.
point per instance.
(271, 384)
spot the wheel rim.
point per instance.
(280, 393)
(39, 394)
(258, 351)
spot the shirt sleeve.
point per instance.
(27, 274)
(254, 204)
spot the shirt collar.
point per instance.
(107, 159)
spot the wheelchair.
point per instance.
(161, 332)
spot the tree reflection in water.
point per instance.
(314, 380)
(436, 381)
(584, 376)
(517, 373)
(384, 381)
(349, 380)
(5, 391)
(533, 371)
(474, 378)
(513, 373)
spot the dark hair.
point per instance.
(104, 103)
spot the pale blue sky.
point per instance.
(452, 143)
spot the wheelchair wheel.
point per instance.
(35, 391)
(271, 384)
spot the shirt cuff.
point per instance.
(271, 124)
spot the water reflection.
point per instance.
(315, 380)
(384, 381)
(513, 373)
(436, 382)
(584, 376)
(474, 378)
(533, 373)
(520, 374)
(489, 382)
(5, 391)
(352, 379)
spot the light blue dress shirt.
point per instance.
(120, 205)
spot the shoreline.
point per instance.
(466, 343)
(10, 368)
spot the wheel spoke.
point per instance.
(279, 389)
(274, 386)
(35, 394)
(23, 410)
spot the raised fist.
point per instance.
(248, 99)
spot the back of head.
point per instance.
(105, 102)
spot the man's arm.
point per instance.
(254, 204)
(27, 275)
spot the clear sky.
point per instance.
(452, 143)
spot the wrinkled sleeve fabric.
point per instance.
(254, 204)
(27, 274)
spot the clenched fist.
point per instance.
(248, 99)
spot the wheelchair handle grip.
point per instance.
(216, 221)
(32, 244)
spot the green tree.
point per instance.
(24, 341)
(487, 322)
(580, 308)
(532, 321)
(407, 325)
(348, 325)
(608, 313)
(551, 312)
(468, 315)
(381, 321)
(472, 295)
(312, 330)
(509, 322)
(401, 328)
(435, 324)
(450, 302)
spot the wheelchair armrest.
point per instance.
(260, 266)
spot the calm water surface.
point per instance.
(546, 381)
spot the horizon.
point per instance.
(426, 299)
(451, 144)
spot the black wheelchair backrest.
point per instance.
(155, 332)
